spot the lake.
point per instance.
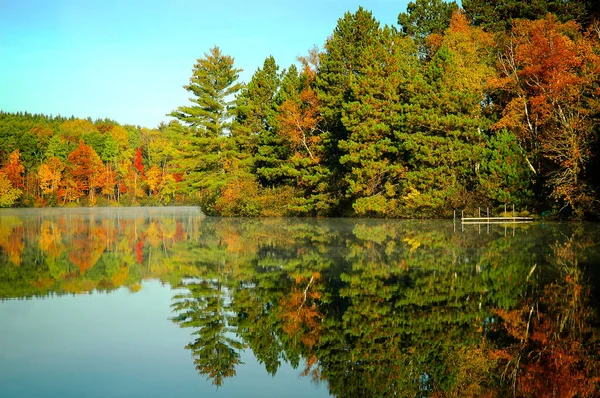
(164, 302)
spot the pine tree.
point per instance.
(207, 146)
(498, 15)
(338, 67)
(424, 18)
(371, 154)
(442, 125)
(213, 86)
(255, 123)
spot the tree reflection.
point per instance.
(204, 308)
(81, 253)
(369, 307)
(556, 349)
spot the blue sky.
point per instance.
(128, 60)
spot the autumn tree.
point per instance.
(299, 119)
(8, 193)
(84, 168)
(50, 175)
(14, 169)
(549, 71)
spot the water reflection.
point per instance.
(371, 308)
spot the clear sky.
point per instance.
(128, 59)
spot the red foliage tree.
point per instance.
(138, 163)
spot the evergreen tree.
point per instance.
(255, 131)
(207, 145)
(498, 15)
(443, 123)
(339, 65)
(370, 154)
(504, 176)
(213, 86)
(426, 17)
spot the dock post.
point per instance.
(479, 212)
(454, 215)
(505, 210)
(462, 214)
(513, 210)
(488, 212)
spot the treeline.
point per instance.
(57, 161)
(458, 108)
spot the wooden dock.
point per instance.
(496, 220)
(493, 220)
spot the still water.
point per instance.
(169, 303)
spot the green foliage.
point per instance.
(504, 174)
(8, 194)
(426, 17)
(442, 126)
(438, 115)
(498, 15)
(58, 147)
(255, 132)
(213, 86)
(209, 155)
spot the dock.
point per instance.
(495, 220)
(506, 219)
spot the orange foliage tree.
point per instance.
(553, 354)
(298, 118)
(50, 175)
(550, 72)
(14, 169)
(85, 168)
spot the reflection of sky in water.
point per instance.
(118, 345)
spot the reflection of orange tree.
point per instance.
(300, 316)
(553, 354)
(86, 245)
(11, 238)
(51, 241)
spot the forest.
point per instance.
(488, 104)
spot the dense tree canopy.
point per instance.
(493, 105)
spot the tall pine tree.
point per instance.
(370, 153)
(339, 65)
(208, 150)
